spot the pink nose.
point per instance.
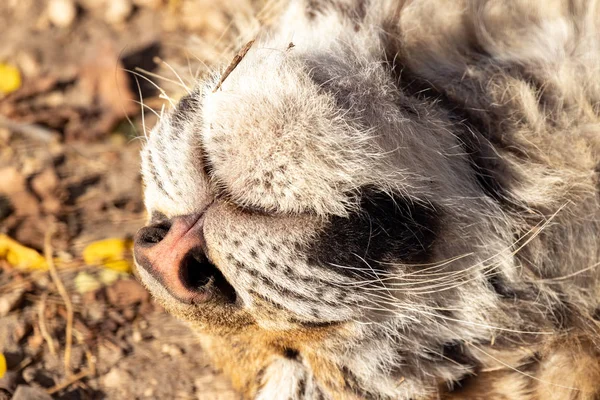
(174, 252)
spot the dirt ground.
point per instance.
(71, 125)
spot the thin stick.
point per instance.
(69, 381)
(32, 131)
(65, 296)
(42, 323)
(234, 63)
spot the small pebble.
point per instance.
(117, 11)
(136, 336)
(30, 393)
(62, 13)
(171, 350)
(115, 378)
(9, 301)
(86, 282)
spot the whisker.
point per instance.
(523, 372)
(157, 76)
(147, 107)
(564, 277)
(161, 90)
(472, 323)
(142, 107)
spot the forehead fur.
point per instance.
(279, 142)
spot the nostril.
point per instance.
(197, 273)
(151, 235)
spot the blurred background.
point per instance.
(80, 83)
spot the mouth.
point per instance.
(198, 274)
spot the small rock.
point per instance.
(8, 382)
(42, 281)
(62, 13)
(10, 301)
(129, 314)
(171, 350)
(12, 328)
(95, 312)
(108, 276)
(14, 186)
(116, 378)
(30, 393)
(46, 186)
(28, 64)
(117, 11)
(110, 356)
(126, 293)
(86, 282)
(28, 374)
(35, 341)
(136, 336)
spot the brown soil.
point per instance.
(69, 143)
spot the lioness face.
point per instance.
(275, 201)
(295, 205)
(357, 209)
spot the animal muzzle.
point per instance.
(174, 252)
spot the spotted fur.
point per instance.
(405, 197)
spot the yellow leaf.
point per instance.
(85, 282)
(112, 253)
(2, 365)
(10, 78)
(20, 256)
(109, 276)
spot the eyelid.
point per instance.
(221, 192)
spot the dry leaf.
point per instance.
(109, 276)
(112, 253)
(126, 293)
(2, 365)
(13, 185)
(85, 282)
(10, 79)
(20, 256)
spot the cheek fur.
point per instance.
(265, 258)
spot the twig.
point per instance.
(42, 323)
(234, 63)
(32, 131)
(69, 381)
(53, 300)
(24, 364)
(33, 275)
(65, 296)
(91, 362)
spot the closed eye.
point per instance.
(222, 192)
